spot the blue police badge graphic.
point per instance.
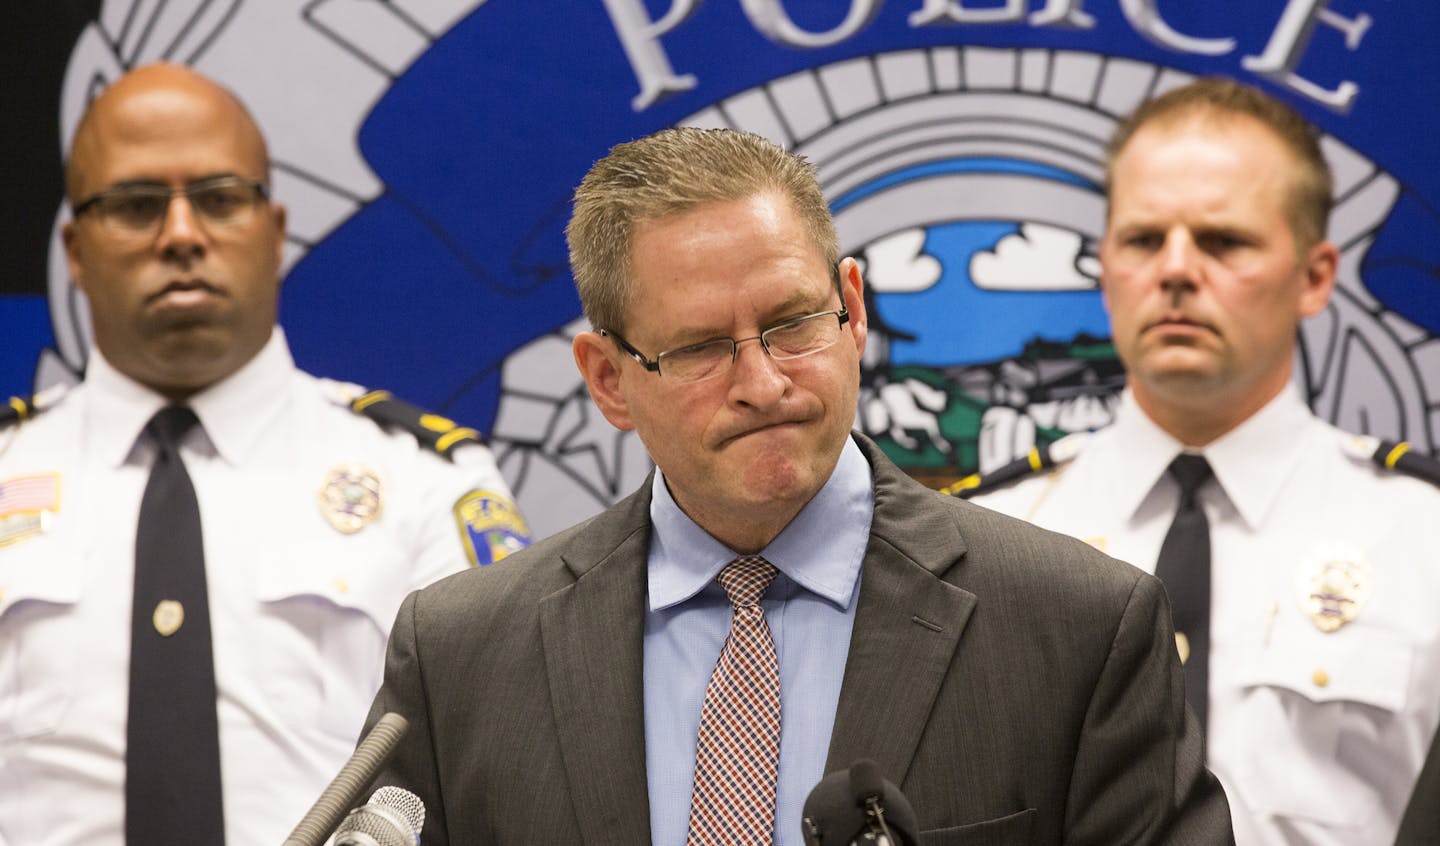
(427, 154)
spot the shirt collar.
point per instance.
(232, 412)
(821, 550)
(1252, 486)
(1147, 451)
(116, 410)
(1275, 434)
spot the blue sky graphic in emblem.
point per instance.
(1033, 287)
(958, 322)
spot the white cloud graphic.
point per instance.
(896, 264)
(1038, 258)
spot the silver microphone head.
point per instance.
(393, 817)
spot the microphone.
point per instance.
(370, 755)
(858, 806)
(868, 787)
(393, 817)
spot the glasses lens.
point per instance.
(700, 361)
(142, 208)
(804, 336)
(230, 201)
(135, 208)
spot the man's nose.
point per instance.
(1179, 260)
(181, 234)
(756, 378)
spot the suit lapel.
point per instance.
(907, 625)
(592, 633)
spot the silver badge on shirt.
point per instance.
(350, 498)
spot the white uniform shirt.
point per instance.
(300, 611)
(1317, 737)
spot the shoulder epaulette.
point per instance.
(18, 408)
(1395, 455)
(440, 434)
(1038, 460)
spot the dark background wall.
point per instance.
(35, 43)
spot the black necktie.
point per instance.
(1184, 567)
(172, 752)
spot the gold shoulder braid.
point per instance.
(440, 434)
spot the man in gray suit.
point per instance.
(1019, 687)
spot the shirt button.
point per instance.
(342, 586)
(1320, 677)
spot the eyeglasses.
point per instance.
(141, 208)
(785, 341)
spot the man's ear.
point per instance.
(1321, 264)
(852, 289)
(277, 222)
(70, 237)
(599, 363)
(1103, 249)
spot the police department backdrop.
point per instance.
(427, 150)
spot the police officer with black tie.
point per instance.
(202, 547)
(1299, 560)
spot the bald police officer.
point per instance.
(317, 510)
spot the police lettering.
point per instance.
(1295, 31)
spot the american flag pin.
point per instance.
(27, 506)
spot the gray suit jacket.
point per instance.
(1421, 824)
(1017, 685)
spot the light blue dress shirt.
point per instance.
(810, 609)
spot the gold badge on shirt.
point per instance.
(350, 498)
(1335, 583)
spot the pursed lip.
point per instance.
(758, 429)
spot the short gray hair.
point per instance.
(670, 172)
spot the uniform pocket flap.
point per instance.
(354, 576)
(1356, 664)
(36, 570)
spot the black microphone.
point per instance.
(858, 806)
(370, 755)
(393, 817)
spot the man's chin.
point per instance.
(189, 362)
(792, 475)
(1180, 363)
(1183, 383)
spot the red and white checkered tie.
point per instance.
(738, 752)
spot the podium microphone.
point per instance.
(370, 755)
(393, 817)
(858, 807)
